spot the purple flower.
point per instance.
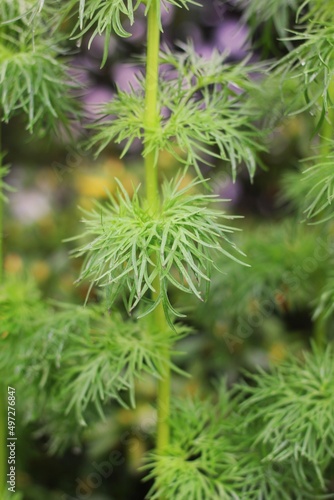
(232, 37)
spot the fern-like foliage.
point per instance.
(107, 17)
(108, 359)
(320, 179)
(39, 338)
(101, 18)
(203, 112)
(285, 261)
(292, 408)
(127, 112)
(129, 248)
(20, 300)
(311, 189)
(310, 63)
(33, 79)
(74, 359)
(306, 28)
(4, 187)
(200, 461)
(20, 308)
(206, 104)
(211, 456)
(325, 302)
(277, 13)
(315, 11)
(24, 10)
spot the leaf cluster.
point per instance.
(278, 13)
(200, 461)
(33, 77)
(21, 307)
(212, 456)
(107, 360)
(4, 187)
(130, 248)
(74, 360)
(23, 10)
(292, 409)
(285, 264)
(203, 112)
(309, 43)
(20, 302)
(320, 179)
(103, 19)
(311, 189)
(311, 64)
(325, 302)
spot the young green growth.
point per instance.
(131, 249)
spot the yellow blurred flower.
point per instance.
(277, 352)
(94, 186)
(40, 270)
(13, 263)
(101, 181)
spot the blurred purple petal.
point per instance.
(125, 76)
(95, 98)
(232, 37)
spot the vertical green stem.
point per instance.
(163, 388)
(152, 118)
(152, 114)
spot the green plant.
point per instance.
(168, 240)
(140, 244)
(278, 403)
(156, 243)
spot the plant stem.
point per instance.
(163, 388)
(151, 101)
(152, 117)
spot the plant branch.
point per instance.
(151, 101)
(152, 117)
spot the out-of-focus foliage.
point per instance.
(277, 13)
(33, 77)
(292, 409)
(72, 357)
(288, 260)
(312, 189)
